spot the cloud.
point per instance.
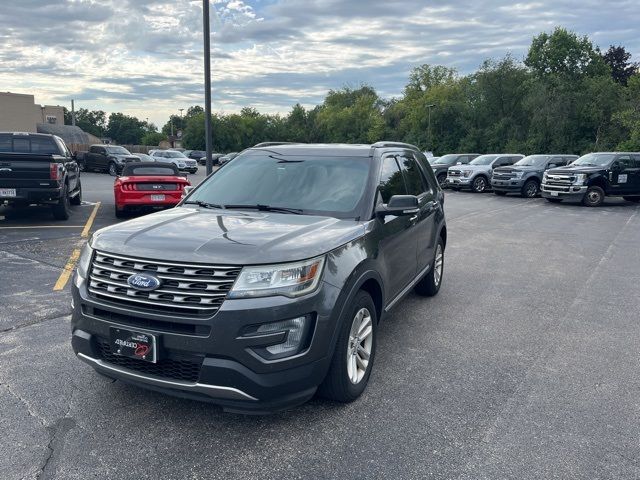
(144, 57)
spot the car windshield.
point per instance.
(118, 151)
(532, 161)
(173, 154)
(327, 186)
(483, 160)
(446, 159)
(595, 159)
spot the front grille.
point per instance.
(185, 290)
(136, 321)
(503, 176)
(454, 173)
(559, 179)
(185, 369)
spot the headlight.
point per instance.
(85, 260)
(519, 174)
(580, 178)
(289, 279)
(544, 177)
(466, 173)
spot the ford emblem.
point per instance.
(142, 281)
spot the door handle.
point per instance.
(6, 170)
(413, 219)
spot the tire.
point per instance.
(77, 200)
(112, 169)
(120, 212)
(530, 189)
(429, 285)
(442, 179)
(553, 200)
(81, 165)
(479, 184)
(62, 210)
(632, 199)
(594, 197)
(499, 193)
(344, 382)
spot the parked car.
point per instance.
(173, 156)
(215, 157)
(477, 174)
(148, 186)
(227, 158)
(144, 157)
(194, 154)
(267, 283)
(525, 176)
(38, 169)
(107, 158)
(431, 160)
(593, 177)
(441, 166)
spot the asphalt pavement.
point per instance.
(524, 366)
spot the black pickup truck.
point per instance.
(593, 177)
(38, 169)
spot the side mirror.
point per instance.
(616, 167)
(399, 205)
(458, 163)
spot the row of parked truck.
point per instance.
(556, 177)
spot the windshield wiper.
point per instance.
(202, 204)
(268, 208)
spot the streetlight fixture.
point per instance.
(207, 83)
(181, 110)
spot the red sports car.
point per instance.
(148, 186)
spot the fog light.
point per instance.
(295, 329)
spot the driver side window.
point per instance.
(391, 181)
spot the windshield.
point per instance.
(446, 159)
(532, 161)
(483, 160)
(118, 151)
(173, 154)
(595, 159)
(326, 186)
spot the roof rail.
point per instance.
(394, 144)
(271, 144)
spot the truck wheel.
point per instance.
(81, 166)
(594, 197)
(632, 199)
(529, 189)
(554, 200)
(354, 353)
(479, 185)
(77, 200)
(113, 169)
(442, 179)
(62, 210)
(499, 193)
(430, 283)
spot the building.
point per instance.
(20, 113)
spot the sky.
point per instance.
(144, 57)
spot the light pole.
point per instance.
(207, 83)
(181, 110)
(430, 139)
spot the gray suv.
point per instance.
(477, 175)
(525, 176)
(442, 164)
(268, 281)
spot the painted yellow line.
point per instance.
(41, 226)
(92, 217)
(67, 270)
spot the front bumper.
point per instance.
(229, 372)
(511, 185)
(135, 200)
(574, 192)
(458, 182)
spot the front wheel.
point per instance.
(430, 283)
(355, 351)
(594, 197)
(113, 169)
(529, 189)
(479, 185)
(442, 179)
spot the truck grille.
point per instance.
(503, 175)
(185, 369)
(185, 289)
(559, 179)
(454, 173)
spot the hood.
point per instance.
(192, 234)
(570, 169)
(473, 168)
(124, 157)
(518, 168)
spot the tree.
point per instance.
(91, 121)
(125, 129)
(564, 53)
(618, 60)
(153, 138)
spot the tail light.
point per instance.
(129, 187)
(54, 171)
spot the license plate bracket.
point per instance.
(132, 344)
(158, 198)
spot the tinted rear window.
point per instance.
(133, 170)
(28, 144)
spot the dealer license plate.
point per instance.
(8, 192)
(157, 198)
(554, 194)
(138, 345)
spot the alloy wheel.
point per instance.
(531, 190)
(479, 184)
(438, 265)
(359, 346)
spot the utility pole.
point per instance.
(73, 113)
(430, 138)
(207, 83)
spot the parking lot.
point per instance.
(524, 366)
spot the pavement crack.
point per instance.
(58, 436)
(25, 404)
(35, 322)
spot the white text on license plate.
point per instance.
(7, 192)
(554, 194)
(157, 198)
